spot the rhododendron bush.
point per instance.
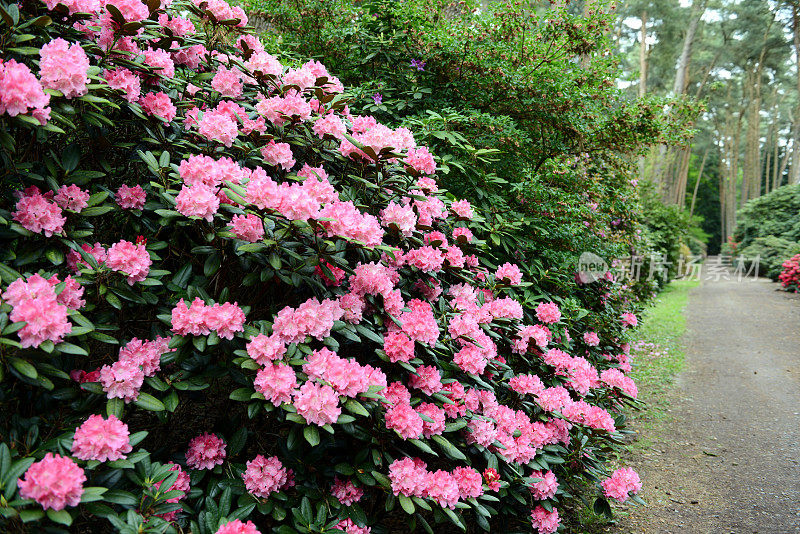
(231, 305)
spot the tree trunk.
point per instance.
(643, 80)
(697, 183)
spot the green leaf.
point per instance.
(353, 406)
(97, 210)
(115, 407)
(407, 504)
(22, 367)
(311, 433)
(449, 449)
(241, 394)
(423, 446)
(148, 402)
(69, 348)
(62, 517)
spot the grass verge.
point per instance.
(663, 326)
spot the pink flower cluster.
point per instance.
(318, 404)
(622, 483)
(548, 312)
(509, 273)
(526, 384)
(617, 379)
(546, 487)
(629, 319)
(205, 451)
(351, 528)
(38, 213)
(20, 92)
(101, 439)
(591, 339)
(346, 376)
(264, 476)
(130, 259)
(35, 302)
(200, 320)
(543, 521)
(238, 527)
(539, 334)
(346, 492)
(312, 318)
(410, 477)
(248, 227)
(137, 359)
(54, 482)
(63, 67)
(72, 197)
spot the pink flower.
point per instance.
(132, 260)
(75, 6)
(72, 197)
(146, 354)
(160, 105)
(35, 303)
(101, 439)
(20, 90)
(462, 235)
(131, 10)
(126, 81)
(442, 487)
(546, 487)
(351, 528)
(248, 227)
(264, 476)
(218, 126)
(318, 404)
(462, 208)
(225, 319)
(131, 197)
(348, 222)
(526, 384)
(312, 318)
(426, 259)
(421, 160)
(160, 61)
(71, 295)
(543, 521)
(436, 414)
(205, 452)
(492, 479)
(622, 483)
(346, 492)
(227, 82)
(191, 319)
(265, 63)
(629, 319)
(278, 108)
(278, 154)
(277, 383)
(408, 477)
(402, 418)
(484, 433)
(238, 527)
(470, 483)
(419, 323)
(509, 273)
(401, 217)
(122, 380)
(182, 483)
(616, 379)
(548, 312)
(329, 125)
(398, 347)
(427, 379)
(39, 215)
(63, 67)
(54, 482)
(264, 349)
(591, 339)
(198, 200)
(470, 359)
(74, 259)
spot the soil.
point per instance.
(727, 458)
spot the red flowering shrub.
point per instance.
(790, 275)
(230, 305)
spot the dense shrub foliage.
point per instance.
(229, 304)
(768, 227)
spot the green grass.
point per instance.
(664, 324)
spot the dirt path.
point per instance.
(729, 459)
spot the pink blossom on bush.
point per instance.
(39, 215)
(408, 477)
(400, 216)
(20, 90)
(509, 273)
(492, 479)
(591, 339)
(317, 404)
(427, 379)
(402, 418)
(346, 492)
(160, 61)
(131, 197)
(617, 379)
(470, 482)
(227, 82)
(264, 349)
(349, 223)
(443, 488)
(312, 318)
(75, 260)
(543, 521)
(426, 259)
(482, 432)
(129, 259)
(470, 359)
(72, 197)
(248, 227)
(225, 319)
(218, 126)
(238, 527)
(548, 312)
(584, 413)
(526, 384)
(462, 208)
(35, 303)
(198, 200)
(101, 439)
(75, 6)
(330, 269)
(421, 160)
(147, 354)
(277, 383)
(419, 323)
(462, 235)
(122, 380)
(264, 476)
(278, 154)
(546, 487)
(131, 10)
(54, 482)
(182, 483)
(329, 125)
(160, 105)
(553, 398)
(437, 415)
(622, 483)
(63, 67)
(398, 347)
(629, 319)
(278, 108)
(205, 451)
(265, 63)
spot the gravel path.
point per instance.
(728, 461)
